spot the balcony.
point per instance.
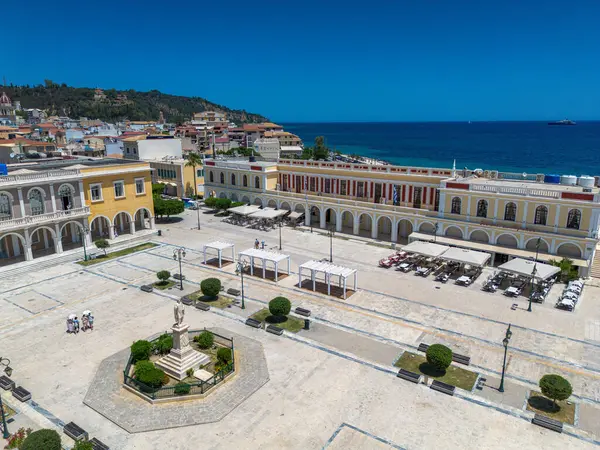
(526, 191)
(29, 221)
(51, 176)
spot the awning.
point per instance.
(526, 268)
(294, 215)
(268, 213)
(244, 210)
(428, 249)
(465, 256)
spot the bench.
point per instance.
(178, 276)
(409, 376)
(202, 306)
(253, 323)
(6, 383)
(146, 288)
(442, 387)
(75, 432)
(98, 445)
(547, 422)
(423, 347)
(186, 300)
(275, 330)
(21, 394)
(457, 358)
(302, 312)
(233, 291)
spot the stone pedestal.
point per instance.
(182, 357)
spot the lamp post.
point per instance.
(533, 272)
(239, 269)
(435, 230)
(8, 370)
(178, 254)
(280, 227)
(505, 342)
(331, 233)
(82, 235)
(312, 209)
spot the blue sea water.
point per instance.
(532, 147)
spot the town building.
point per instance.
(285, 138)
(152, 147)
(24, 147)
(506, 215)
(210, 117)
(267, 148)
(177, 177)
(35, 116)
(8, 114)
(50, 207)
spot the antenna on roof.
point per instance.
(454, 169)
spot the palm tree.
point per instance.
(194, 160)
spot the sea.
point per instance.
(520, 147)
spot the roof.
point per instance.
(429, 249)
(4, 99)
(268, 213)
(264, 254)
(525, 268)
(244, 210)
(218, 245)
(327, 267)
(22, 141)
(465, 256)
(137, 137)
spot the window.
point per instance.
(211, 176)
(574, 219)
(134, 151)
(245, 180)
(222, 177)
(456, 204)
(541, 215)
(233, 179)
(327, 186)
(313, 183)
(96, 192)
(482, 207)
(119, 189)
(257, 183)
(510, 212)
(127, 150)
(199, 173)
(5, 207)
(36, 202)
(343, 187)
(140, 186)
(360, 189)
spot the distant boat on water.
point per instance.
(563, 122)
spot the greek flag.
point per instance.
(395, 195)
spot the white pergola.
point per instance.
(524, 268)
(264, 256)
(328, 270)
(219, 247)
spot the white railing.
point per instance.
(516, 191)
(51, 175)
(27, 221)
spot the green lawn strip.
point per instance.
(162, 285)
(544, 406)
(456, 376)
(112, 255)
(220, 302)
(291, 324)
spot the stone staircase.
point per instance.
(595, 271)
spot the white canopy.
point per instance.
(465, 256)
(294, 215)
(244, 210)
(268, 213)
(219, 247)
(264, 256)
(328, 269)
(429, 249)
(525, 268)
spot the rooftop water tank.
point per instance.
(586, 181)
(569, 180)
(552, 178)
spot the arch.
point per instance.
(62, 228)
(479, 236)
(272, 204)
(331, 216)
(405, 229)
(510, 212)
(482, 208)
(68, 186)
(35, 197)
(211, 176)
(35, 188)
(99, 227)
(285, 205)
(45, 227)
(246, 199)
(531, 244)
(365, 224)
(315, 215)
(384, 228)
(222, 178)
(299, 208)
(222, 194)
(456, 205)
(70, 236)
(12, 249)
(507, 240)
(427, 228)
(234, 197)
(142, 219)
(6, 205)
(258, 201)
(454, 232)
(122, 223)
(541, 215)
(257, 182)
(574, 219)
(569, 250)
(65, 195)
(347, 220)
(245, 180)
(42, 244)
(233, 179)
(122, 212)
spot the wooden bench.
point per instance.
(146, 288)
(275, 330)
(422, 347)
(98, 445)
(442, 387)
(302, 312)
(178, 276)
(6, 383)
(75, 432)
(233, 291)
(253, 323)
(457, 358)
(21, 394)
(547, 422)
(186, 300)
(202, 306)
(409, 376)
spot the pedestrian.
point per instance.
(76, 325)
(263, 244)
(256, 243)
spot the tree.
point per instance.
(223, 203)
(280, 307)
(167, 207)
(42, 439)
(140, 350)
(211, 202)
(157, 189)
(83, 445)
(163, 276)
(163, 344)
(568, 271)
(205, 340)
(439, 356)
(210, 287)
(194, 160)
(224, 355)
(555, 387)
(320, 151)
(102, 244)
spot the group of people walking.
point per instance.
(87, 322)
(258, 245)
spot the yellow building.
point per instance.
(177, 177)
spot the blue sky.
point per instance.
(325, 60)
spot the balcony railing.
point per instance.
(40, 177)
(546, 193)
(27, 221)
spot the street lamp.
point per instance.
(239, 269)
(82, 235)
(435, 230)
(533, 272)
(505, 342)
(8, 370)
(178, 254)
(280, 227)
(331, 233)
(312, 210)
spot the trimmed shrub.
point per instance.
(42, 439)
(182, 388)
(142, 368)
(151, 376)
(163, 275)
(210, 287)
(83, 445)
(555, 387)
(439, 356)
(140, 350)
(210, 202)
(205, 339)
(280, 306)
(163, 344)
(102, 244)
(224, 355)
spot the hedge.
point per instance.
(205, 339)
(42, 439)
(140, 350)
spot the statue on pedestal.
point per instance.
(178, 312)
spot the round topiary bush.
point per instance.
(140, 350)
(205, 340)
(148, 374)
(142, 368)
(439, 356)
(182, 388)
(42, 439)
(211, 287)
(224, 355)
(163, 276)
(555, 387)
(163, 344)
(280, 307)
